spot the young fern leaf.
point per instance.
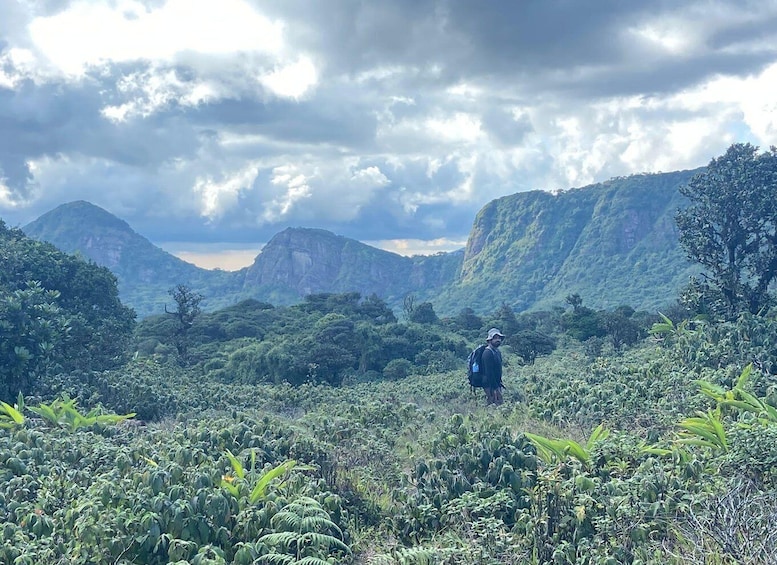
(236, 465)
(260, 488)
(15, 417)
(600, 432)
(47, 413)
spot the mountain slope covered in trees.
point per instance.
(612, 243)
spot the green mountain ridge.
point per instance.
(613, 243)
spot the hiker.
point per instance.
(492, 367)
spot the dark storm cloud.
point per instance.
(322, 120)
(533, 44)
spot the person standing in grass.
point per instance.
(492, 367)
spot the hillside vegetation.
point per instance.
(330, 431)
(614, 243)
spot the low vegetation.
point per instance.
(333, 432)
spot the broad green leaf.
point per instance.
(236, 465)
(46, 412)
(13, 413)
(744, 376)
(600, 432)
(261, 486)
(576, 450)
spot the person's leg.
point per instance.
(498, 399)
(489, 396)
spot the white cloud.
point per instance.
(7, 199)
(461, 128)
(292, 80)
(370, 177)
(210, 83)
(154, 89)
(92, 33)
(16, 64)
(218, 196)
(674, 36)
(295, 188)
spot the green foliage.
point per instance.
(12, 416)
(57, 314)
(530, 344)
(583, 323)
(397, 369)
(34, 330)
(187, 309)
(557, 450)
(240, 485)
(730, 228)
(613, 243)
(64, 412)
(423, 313)
(304, 531)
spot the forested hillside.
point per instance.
(144, 272)
(614, 243)
(335, 431)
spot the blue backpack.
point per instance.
(475, 367)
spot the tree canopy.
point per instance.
(730, 227)
(58, 313)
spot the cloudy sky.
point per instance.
(210, 125)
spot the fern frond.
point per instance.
(276, 559)
(319, 524)
(280, 539)
(323, 540)
(311, 561)
(417, 556)
(286, 521)
(316, 524)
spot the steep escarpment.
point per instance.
(301, 261)
(613, 243)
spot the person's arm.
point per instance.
(489, 367)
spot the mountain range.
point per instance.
(613, 243)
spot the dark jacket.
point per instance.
(492, 368)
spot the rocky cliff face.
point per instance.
(613, 243)
(301, 261)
